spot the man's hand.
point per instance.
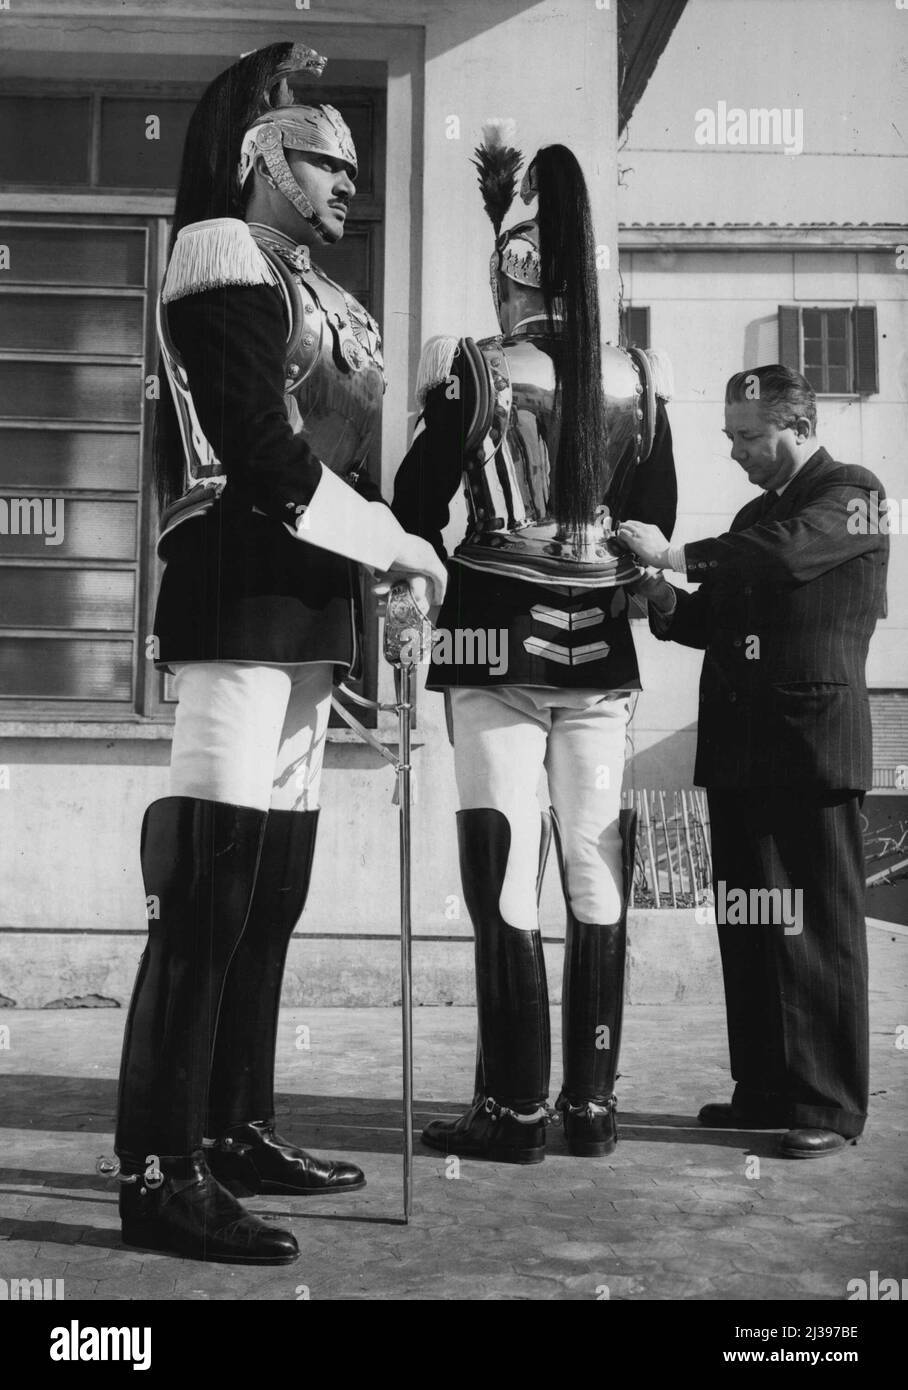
(645, 542)
(658, 593)
(418, 563)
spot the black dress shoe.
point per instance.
(720, 1115)
(188, 1213)
(492, 1131)
(812, 1143)
(251, 1159)
(590, 1130)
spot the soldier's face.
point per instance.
(767, 453)
(327, 184)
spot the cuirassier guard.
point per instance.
(555, 440)
(274, 394)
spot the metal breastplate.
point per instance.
(334, 379)
(333, 384)
(509, 475)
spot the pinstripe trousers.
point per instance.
(796, 998)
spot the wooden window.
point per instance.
(834, 348)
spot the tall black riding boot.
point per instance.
(545, 844)
(507, 1119)
(592, 1008)
(247, 1155)
(199, 860)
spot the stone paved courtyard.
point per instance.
(677, 1213)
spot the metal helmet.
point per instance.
(319, 129)
(516, 261)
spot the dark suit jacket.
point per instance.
(789, 709)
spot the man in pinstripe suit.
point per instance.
(787, 603)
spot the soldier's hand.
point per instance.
(416, 561)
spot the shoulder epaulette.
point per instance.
(435, 364)
(663, 376)
(207, 255)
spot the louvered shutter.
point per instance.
(866, 366)
(636, 326)
(790, 337)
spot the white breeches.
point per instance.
(503, 738)
(250, 735)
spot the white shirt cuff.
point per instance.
(339, 519)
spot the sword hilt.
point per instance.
(408, 632)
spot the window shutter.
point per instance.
(637, 326)
(866, 366)
(790, 337)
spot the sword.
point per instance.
(407, 637)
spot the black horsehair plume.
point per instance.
(498, 163)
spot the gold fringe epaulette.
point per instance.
(435, 364)
(210, 254)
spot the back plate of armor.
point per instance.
(509, 473)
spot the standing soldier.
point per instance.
(555, 439)
(275, 389)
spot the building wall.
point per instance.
(840, 62)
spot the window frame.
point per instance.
(143, 704)
(863, 370)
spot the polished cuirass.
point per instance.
(512, 456)
(333, 379)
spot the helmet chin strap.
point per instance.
(270, 146)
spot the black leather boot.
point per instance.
(592, 1008)
(183, 1209)
(545, 844)
(246, 1155)
(199, 861)
(506, 1122)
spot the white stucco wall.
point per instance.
(840, 62)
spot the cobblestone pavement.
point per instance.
(677, 1212)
